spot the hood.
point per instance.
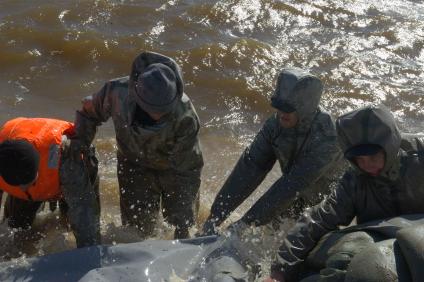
(370, 125)
(139, 66)
(300, 90)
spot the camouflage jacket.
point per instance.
(305, 157)
(172, 144)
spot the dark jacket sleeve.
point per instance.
(313, 163)
(186, 154)
(252, 167)
(96, 109)
(337, 209)
(79, 186)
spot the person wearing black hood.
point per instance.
(385, 180)
(159, 156)
(303, 140)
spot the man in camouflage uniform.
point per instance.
(386, 180)
(156, 125)
(303, 140)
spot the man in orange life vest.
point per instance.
(36, 166)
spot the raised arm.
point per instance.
(95, 110)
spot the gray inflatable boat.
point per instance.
(209, 258)
(385, 250)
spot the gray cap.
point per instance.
(156, 89)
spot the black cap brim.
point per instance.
(284, 107)
(362, 150)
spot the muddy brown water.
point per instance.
(53, 53)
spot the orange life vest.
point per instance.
(46, 136)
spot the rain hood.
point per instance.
(370, 125)
(300, 90)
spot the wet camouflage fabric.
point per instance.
(144, 192)
(171, 146)
(306, 154)
(398, 190)
(80, 189)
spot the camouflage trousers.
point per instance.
(144, 192)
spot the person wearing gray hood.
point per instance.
(156, 126)
(385, 180)
(303, 140)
